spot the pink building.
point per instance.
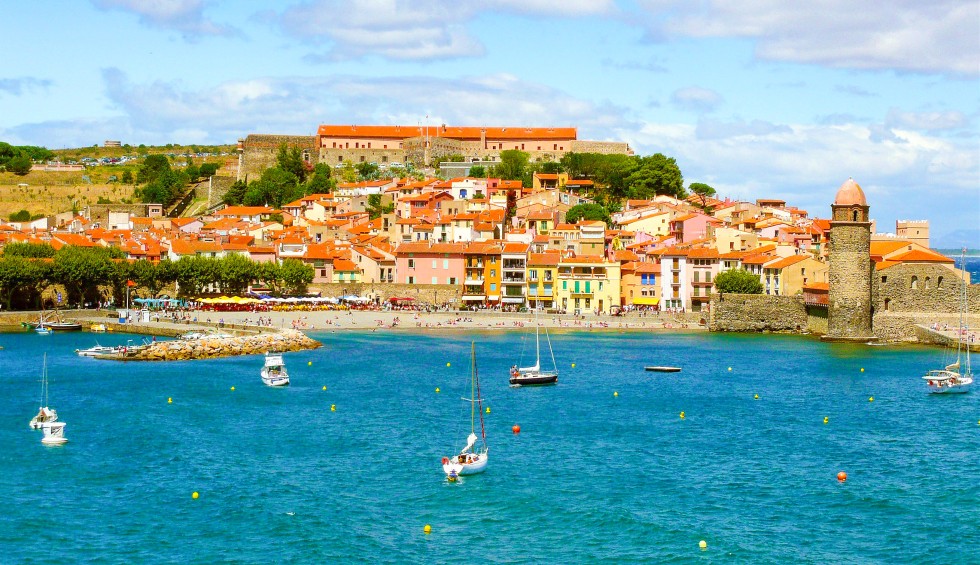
(429, 263)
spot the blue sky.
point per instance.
(759, 98)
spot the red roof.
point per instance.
(467, 133)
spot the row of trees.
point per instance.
(27, 269)
(18, 159)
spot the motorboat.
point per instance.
(274, 371)
(54, 433)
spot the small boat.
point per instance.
(97, 328)
(957, 377)
(64, 326)
(99, 350)
(530, 376)
(45, 414)
(274, 372)
(42, 330)
(663, 369)
(470, 460)
(54, 433)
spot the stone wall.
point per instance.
(216, 192)
(849, 310)
(936, 298)
(605, 147)
(100, 212)
(437, 294)
(260, 151)
(757, 313)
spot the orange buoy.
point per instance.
(445, 460)
(842, 476)
(516, 429)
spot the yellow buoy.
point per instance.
(826, 420)
(427, 529)
(682, 415)
(437, 389)
(324, 387)
(310, 363)
(170, 401)
(871, 399)
(195, 495)
(615, 393)
(703, 545)
(333, 407)
(757, 397)
(862, 369)
(447, 364)
(573, 365)
(488, 409)
(232, 388)
(729, 368)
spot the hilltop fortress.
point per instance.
(418, 145)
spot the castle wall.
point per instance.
(260, 151)
(757, 313)
(936, 299)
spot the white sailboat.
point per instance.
(471, 459)
(533, 375)
(956, 377)
(274, 372)
(45, 414)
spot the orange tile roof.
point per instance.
(786, 262)
(345, 265)
(466, 133)
(543, 259)
(919, 256)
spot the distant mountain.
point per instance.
(957, 240)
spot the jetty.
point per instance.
(211, 347)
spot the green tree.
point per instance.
(15, 272)
(19, 164)
(193, 173)
(703, 191)
(33, 250)
(478, 171)
(22, 216)
(153, 166)
(7, 152)
(296, 275)
(237, 272)
(291, 160)
(321, 181)
(235, 194)
(275, 187)
(36, 153)
(348, 173)
(81, 268)
(513, 165)
(127, 177)
(550, 167)
(738, 281)
(208, 169)
(590, 212)
(270, 273)
(376, 209)
(656, 174)
(367, 171)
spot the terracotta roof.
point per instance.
(345, 265)
(850, 194)
(243, 211)
(786, 262)
(919, 256)
(467, 133)
(543, 259)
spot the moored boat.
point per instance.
(533, 375)
(274, 372)
(54, 433)
(470, 460)
(45, 414)
(957, 377)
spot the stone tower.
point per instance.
(849, 312)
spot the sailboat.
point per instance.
(471, 459)
(274, 372)
(526, 376)
(45, 414)
(958, 376)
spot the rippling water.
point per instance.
(590, 477)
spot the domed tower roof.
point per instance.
(850, 194)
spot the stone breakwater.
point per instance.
(207, 348)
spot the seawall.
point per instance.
(209, 348)
(757, 313)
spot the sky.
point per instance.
(757, 98)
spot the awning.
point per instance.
(474, 297)
(493, 297)
(515, 299)
(646, 301)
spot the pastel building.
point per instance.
(429, 263)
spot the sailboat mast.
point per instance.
(479, 396)
(472, 386)
(963, 330)
(44, 379)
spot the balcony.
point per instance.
(473, 281)
(513, 279)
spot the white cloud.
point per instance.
(23, 85)
(926, 121)
(696, 99)
(185, 16)
(414, 30)
(910, 35)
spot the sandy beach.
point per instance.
(422, 321)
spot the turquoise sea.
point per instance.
(591, 477)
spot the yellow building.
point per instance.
(587, 284)
(640, 284)
(789, 275)
(542, 276)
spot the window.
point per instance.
(939, 282)
(884, 279)
(493, 287)
(452, 280)
(915, 282)
(888, 302)
(493, 272)
(445, 264)
(435, 281)
(411, 263)
(564, 285)
(410, 280)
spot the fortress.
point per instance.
(418, 145)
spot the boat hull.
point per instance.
(54, 433)
(463, 469)
(276, 381)
(660, 369)
(534, 380)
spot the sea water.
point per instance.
(603, 469)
